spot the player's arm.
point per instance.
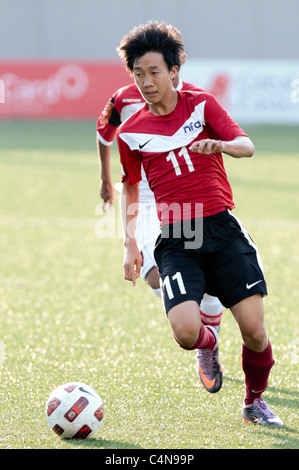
(129, 208)
(107, 124)
(107, 192)
(239, 147)
(227, 138)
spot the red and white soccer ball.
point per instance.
(75, 411)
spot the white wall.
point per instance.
(92, 29)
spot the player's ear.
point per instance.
(183, 58)
(174, 71)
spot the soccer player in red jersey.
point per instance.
(179, 137)
(124, 102)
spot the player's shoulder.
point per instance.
(186, 86)
(195, 95)
(128, 94)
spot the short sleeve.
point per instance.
(221, 125)
(108, 122)
(130, 163)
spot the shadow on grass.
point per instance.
(98, 443)
(291, 404)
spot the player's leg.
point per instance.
(211, 310)
(249, 314)
(241, 287)
(187, 328)
(149, 271)
(257, 359)
(153, 280)
(183, 284)
(147, 231)
(190, 333)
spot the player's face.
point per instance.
(153, 77)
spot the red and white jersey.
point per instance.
(123, 103)
(179, 178)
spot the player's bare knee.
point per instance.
(185, 322)
(257, 339)
(186, 338)
(185, 331)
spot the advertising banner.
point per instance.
(58, 90)
(252, 91)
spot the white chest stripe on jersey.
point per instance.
(130, 109)
(191, 128)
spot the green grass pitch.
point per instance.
(66, 314)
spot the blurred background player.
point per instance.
(123, 103)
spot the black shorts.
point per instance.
(226, 265)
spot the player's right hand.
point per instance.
(107, 193)
(132, 263)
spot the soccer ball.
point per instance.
(74, 411)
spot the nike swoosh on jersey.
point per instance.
(165, 143)
(143, 145)
(249, 286)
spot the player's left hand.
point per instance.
(207, 146)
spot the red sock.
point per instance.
(205, 340)
(256, 367)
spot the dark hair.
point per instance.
(152, 37)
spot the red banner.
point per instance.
(58, 90)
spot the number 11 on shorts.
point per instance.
(167, 284)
